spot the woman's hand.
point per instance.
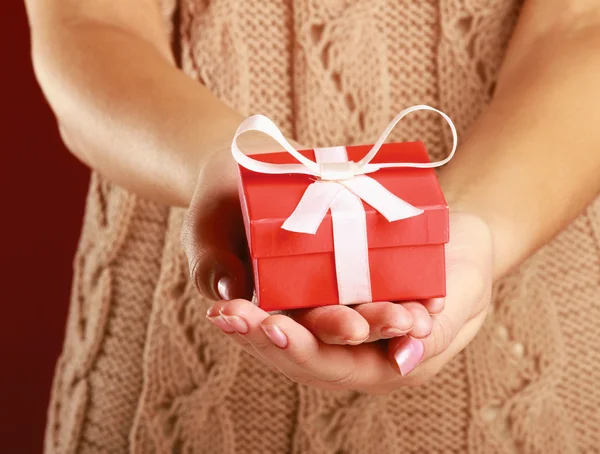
(215, 242)
(301, 353)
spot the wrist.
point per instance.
(218, 162)
(512, 238)
(208, 153)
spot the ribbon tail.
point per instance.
(392, 207)
(312, 208)
(351, 249)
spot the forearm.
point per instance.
(532, 161)
(127, 111)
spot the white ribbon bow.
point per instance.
(340, 186)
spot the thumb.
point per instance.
(469, 284)
(406, 353)
(213, 232)
(214, 240)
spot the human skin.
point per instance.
(168, 140)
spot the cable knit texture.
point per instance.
(143, 372)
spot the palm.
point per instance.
(307, 347)
(469, 283)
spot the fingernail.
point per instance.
(409, 355)
(275, 334)
(225, 287)
(237, 323)
(220, 323)
(393, 332)
(354, 341)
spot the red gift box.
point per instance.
(298, 270)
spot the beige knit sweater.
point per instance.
(142, 371)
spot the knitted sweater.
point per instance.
(142, 371)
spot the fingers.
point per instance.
(334, 324)
(434, 305)
(291, 348)
(469, 290)
(422, 322)
(286, 344)
(369, 322)
(306, 360)
(214, 316)
(385, 320)
(407, 353)
(220, 274)
(469, 278)
(213, 236)
(434, 364)
(460, 307)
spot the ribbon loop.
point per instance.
(420, 165)
(263, 124)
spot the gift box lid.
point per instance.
(268, 200)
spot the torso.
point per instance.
(142, 371)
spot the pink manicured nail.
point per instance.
(274, 333)
(225, 287)
(218, 321)
(409, 355)
(237, 323)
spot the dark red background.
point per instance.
(41, 200)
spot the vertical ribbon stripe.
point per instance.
(350, 244)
